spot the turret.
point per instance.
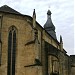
(49, 27)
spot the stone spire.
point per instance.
(49, 27)
(61, 43)
(61, 39)
(34, 19)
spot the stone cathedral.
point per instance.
(27, 48)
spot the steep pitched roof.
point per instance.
(8, 9)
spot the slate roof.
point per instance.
(8, 9)
(48, 26)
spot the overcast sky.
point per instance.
(62, 16)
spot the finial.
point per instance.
(61, 43)
(34, 19)
(60, 38)
(49, 12)
(34, 12)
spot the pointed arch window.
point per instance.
(11, 51)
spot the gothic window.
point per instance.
(11, 51)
